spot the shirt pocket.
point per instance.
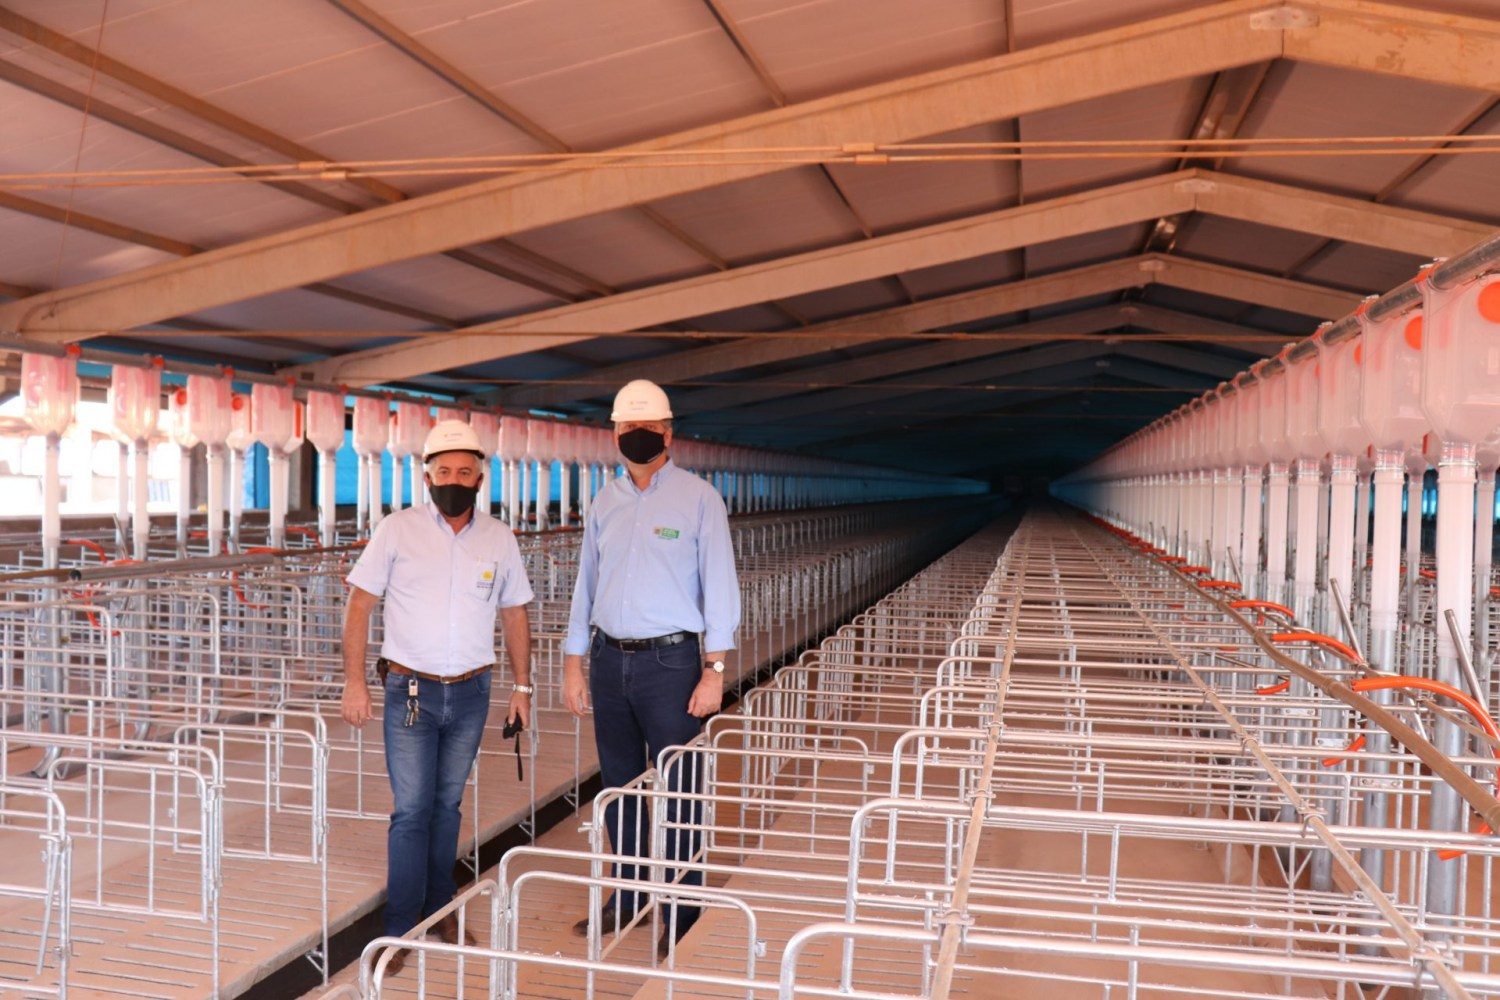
(479, 579)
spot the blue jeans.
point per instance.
(640, 707)
(429, 763)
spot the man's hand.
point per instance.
(520, 707)
(708, 696)
(355, 706)
(575, 690)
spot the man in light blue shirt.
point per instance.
(655, 572)
(445, 571)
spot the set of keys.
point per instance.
(411, 702)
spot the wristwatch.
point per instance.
(522, 688)
(717, 666)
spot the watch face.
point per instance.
(718, 666)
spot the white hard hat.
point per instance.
(641, 400)
(451, 435)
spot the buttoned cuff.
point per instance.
(576, 644)
(715, 641)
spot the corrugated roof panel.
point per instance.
(597, 73)
(43, 254)
(750, 319)
(42, 136)
(1465, 186)
(298, 309)
(447, 287)
(1350, 265)
(1166, 111)
(847, 300)
(812, 48)
(1076, 251)
(1308, 101)
(896, 197)
(772, 216)
(976, 272)
(1245, 244)
(621, 249)
(1042, 21)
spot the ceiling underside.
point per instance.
(1099, 292)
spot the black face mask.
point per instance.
(642, 445)
(453, 499)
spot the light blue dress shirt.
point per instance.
(656, 561)
(441, 589)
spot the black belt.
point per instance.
(641, 645)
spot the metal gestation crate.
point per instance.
(185, 717)
(1069, 771)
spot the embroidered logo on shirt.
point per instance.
(485, 580)
(667, 533)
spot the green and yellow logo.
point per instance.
(668, 533)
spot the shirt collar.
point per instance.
(437, 516)
(661, 474)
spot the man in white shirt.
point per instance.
(443, 569)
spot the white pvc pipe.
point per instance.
(236, 494)
(1484, 542)
(184, 508)
(122, 497)
(1361, 528)
(376, 479)
(512, 496)
(543, 494)
(525, 480)
(51, 502)
(1305, 561)
(1341, 477)
(1277, 486)
(1455, 593)
(418, 487)
(483, 502)
(398, 482)
(1233, 522)
(565, 501)
(141, 484)
(1250, 513)
(215, 499)
(361, 494)
(327, 468)
(281, 485)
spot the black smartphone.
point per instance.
(512, 728)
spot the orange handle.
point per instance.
(1275, 688)
(1358, 743)
(1318, 638)
(1218, 585)
(89, 544)
(1262, 605)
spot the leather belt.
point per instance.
(398, 669)
(641, 645)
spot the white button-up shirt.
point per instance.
(441, 589)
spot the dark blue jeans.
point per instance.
(429, 763)
(640, 707)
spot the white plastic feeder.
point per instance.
(325, 430)
(208, 418)
(487, 429)
(539, 453)
(276, 422)
(371, 433)
(512, 453)
(49, 387)
(1345, 438)
(135, 407)
(239, 440)
(1305, 438)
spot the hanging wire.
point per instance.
(857, 154)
